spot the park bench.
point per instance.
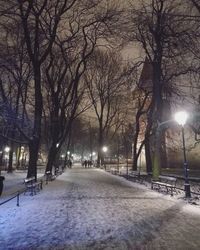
(106, 168)
(133, 174)
(123, 171)
(114, 170)
(58, 171)
(137, 176)
(165, 183)
(32, 186)
(49, 176)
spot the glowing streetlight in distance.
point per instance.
(93, 153)
(7, 149)
(105, 149)
(181, 117)
(68, 152)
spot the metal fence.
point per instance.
(13, 196)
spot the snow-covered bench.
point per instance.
(49, 176)
(32, 186)
(58, 172)
(137, 176)
(165, 182)
(123, 171)
(114, 170)
(133, 174)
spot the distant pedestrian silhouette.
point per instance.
(85, 163)
(70, 164)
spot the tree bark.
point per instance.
(148, 156)
(34, 143)
(135, 143)
(100, 144)
(10, 160)
(51, 158)
(33, 157)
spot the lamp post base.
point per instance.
(187, 190)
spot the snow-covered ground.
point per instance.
(91, 209)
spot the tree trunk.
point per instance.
(33, 157)
(158, 110)
(118, 150)
(135, 142)
(164, 160)
(148, 156)
(100, 144)
(2, 178)
(1, 160)
(51, 158)
(18, 154)
(135, 162)
(34, 144)
(156, 158)
(10, 160)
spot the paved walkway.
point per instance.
(91, 209)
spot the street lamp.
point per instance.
(104, 149)
(181, 118)
(68, 155)
(7, 149)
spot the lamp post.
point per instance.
(181, 118)
(104, 149)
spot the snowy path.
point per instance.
(91, 209)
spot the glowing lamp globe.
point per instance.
(7, 149)
(181, 117)
(105, 149)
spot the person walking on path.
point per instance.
(85, 163)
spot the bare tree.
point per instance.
(40, 21)
(159, 27)
(15, 75)
(44, 23)
(63, 99)
(106, 90)
(66, 64)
